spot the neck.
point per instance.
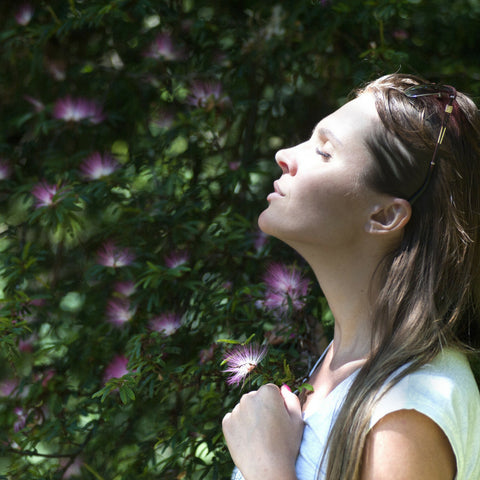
(345, 279)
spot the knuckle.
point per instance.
(226, 421)
(269, 388)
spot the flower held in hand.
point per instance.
(242, 361)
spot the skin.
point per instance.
(322, 207)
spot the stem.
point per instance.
(34, 453)
(382, 36)
(93, 472)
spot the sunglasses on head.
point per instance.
(439, 91)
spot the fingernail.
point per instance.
(286, 387)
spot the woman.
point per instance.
(383, 203)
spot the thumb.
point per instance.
(292, 403)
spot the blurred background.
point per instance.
(137, 143)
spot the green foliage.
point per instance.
(186, 103)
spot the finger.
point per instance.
(292, 403)
(226, 418)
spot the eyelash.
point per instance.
(323, 154)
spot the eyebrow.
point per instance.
(327, 133)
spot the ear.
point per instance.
(389, 217)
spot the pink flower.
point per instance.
(47, 376)
(27, 344)
(176, 258)
(24, 14)
(21, 421)
(112, 256)
(126, 289)
(261, 240)
(206, 355)
(7, 387)
(120, 311)
(35, 417)
(47, 195)
(285, 287)
(242, 361)
(163, 48)
(97, 166)
(281, 278)
(78, 109)
(235, 165)
(5, 169)
(167, 323)
(117, 368)
(207, 95)
(400, 35)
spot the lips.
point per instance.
(277, 188)
(277, 193)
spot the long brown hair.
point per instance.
(428, 296)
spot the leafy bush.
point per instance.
(136, 150)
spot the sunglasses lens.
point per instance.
(427, 90)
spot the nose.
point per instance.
(285, 159)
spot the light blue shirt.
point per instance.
(443, 390)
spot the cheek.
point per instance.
(320, 216)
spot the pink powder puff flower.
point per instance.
(47, 376)
(285, 287)
(77, 109)
(125, 289)
(284, 279)
(47, 195)
(24, 14)
(260, 241)
(276, 301)
(206, 354)
(21, 421)
(26, 345)
(110, 255)
(97, 166)
(117, 368)
(163, 48)
(5, 169)
(207, 95)
(166, 324)
(119, 311)
(400, 35)
(34, 416)
(176, 258)
(7, 387)
(242, 361)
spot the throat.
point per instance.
(326, 380)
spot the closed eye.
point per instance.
(322, 153)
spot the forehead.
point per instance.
(354, 121)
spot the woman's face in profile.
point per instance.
(321, 197)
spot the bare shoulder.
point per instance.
(407, 445)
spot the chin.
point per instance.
(263, 223)
(268, 224)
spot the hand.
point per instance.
(263, 433)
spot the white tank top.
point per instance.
(443, 390)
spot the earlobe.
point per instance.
(390, 217)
